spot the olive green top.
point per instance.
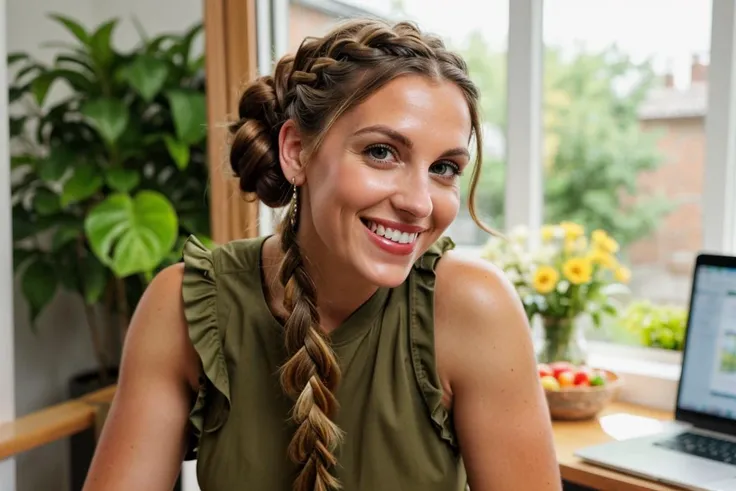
(398, 434)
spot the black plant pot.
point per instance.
(82, 445)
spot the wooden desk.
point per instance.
(572, 435)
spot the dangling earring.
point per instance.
(294, 205)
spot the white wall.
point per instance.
(7, 379)
(44, 362)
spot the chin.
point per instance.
(385, 275)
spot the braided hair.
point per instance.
(325, 77)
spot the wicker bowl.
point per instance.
(577, 403)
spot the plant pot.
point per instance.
(562, 340)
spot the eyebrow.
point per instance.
(404, 140)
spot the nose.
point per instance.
(413, 195)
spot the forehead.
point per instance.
(429, 112)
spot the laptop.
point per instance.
(698, 451)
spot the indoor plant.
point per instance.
(108, 174)
(561, 275)
(657, 326)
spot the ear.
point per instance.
(290, 152)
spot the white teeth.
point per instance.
(391, 234)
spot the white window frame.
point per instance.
(652, 375)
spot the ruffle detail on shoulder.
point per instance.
(199, 292)
(421, 331)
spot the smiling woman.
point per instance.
(398, 364)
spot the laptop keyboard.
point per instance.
(702, 446)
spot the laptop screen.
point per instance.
(708, 382)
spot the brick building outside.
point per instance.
(662, 262)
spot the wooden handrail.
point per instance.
(53, 423)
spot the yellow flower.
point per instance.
(545, 279)
(610, 246)
(547, 232)
(578, 270)
(598, 236)
(572, 230)
(599, 256)
(622, 274)
(575, 244)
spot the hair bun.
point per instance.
(254, 155)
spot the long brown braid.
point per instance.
(326, 77)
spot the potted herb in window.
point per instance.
(108, 176)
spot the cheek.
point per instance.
(445, 206)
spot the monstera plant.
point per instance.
(109, 171)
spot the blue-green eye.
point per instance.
(446, 169)
(379, 152)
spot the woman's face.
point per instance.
(384, 184)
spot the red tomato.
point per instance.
(582, 377)
(561, 366)
(566, 378)
(544, 370)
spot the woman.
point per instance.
(353, 348)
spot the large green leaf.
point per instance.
(20, 256)
(38, 285)
(101, 45)
(94, 279)
(108, 116)
(146, 75)
(46, 202)
(122, 180)
(65, 234)
(74, 27)
(41, 84)
(132, 235)
(53, 168)
(85, 182)
(23, 227)
(189, 111)
(179, 151)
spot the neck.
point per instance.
(340, 292)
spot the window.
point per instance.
(478, 31)
(625, 97)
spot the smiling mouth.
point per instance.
(393, 235)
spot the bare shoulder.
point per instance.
(159, 318)
(488, 370)
(144, 436)
(476, 302)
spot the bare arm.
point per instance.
(500, 413)
(143, 441)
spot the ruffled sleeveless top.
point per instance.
(398, 434)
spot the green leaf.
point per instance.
(179, 151)
(94, 279)
(20, 256)
(132, 235)
(17, 125)
(40, 85)
(46, 202)
(64, 234)
(108, 116)
(189, 111)
(75, 28)
(16, 57)
(53, 168)
(146, 75)
(122, 180)
(38, 286)
(100, 43)
(78, 61)
(18, 161)
(84, 182)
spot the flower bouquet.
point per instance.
(562, 276)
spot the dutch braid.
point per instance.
(326, 77)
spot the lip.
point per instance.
(401, 227)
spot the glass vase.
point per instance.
(562, 340)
